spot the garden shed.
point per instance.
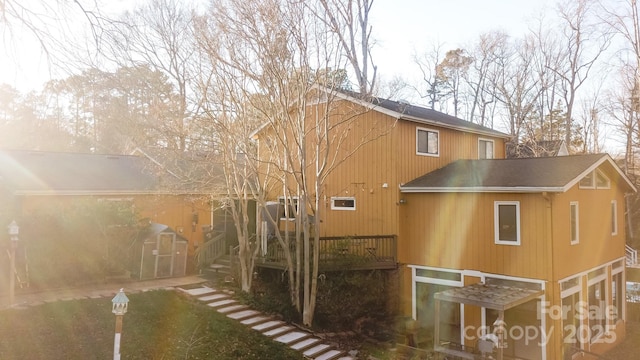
(162, 253)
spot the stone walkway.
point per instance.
(310, 346)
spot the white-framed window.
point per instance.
(343, 203)
(617, 291)
(427, 142)
(595, 180)
(507, 222)
(288, 211)
(485, 149)
(571, 323)
(614, 217)
(597, 301)
(574, 222)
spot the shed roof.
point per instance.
(38, 172)
(552, 174)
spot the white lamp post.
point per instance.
(120, 304)
(14, 230)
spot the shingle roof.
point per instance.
(414, 112)
(410, 112)
(37, 172)
(554, 174)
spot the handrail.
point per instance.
(631, 255)
(210, 251)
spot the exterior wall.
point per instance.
(596, 244)
(453, 145)
(377, 156)
(456, 231)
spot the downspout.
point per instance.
(550, 271)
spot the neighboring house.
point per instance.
(29, 179)
(513, 240)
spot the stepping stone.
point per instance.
(291, 337)
(232, 308)
(243, 314)
(329, 355)
(306, 343)
(268, 325)
(277, 331)
(199, 291)
(213, 297)
(255, 320)
(222, 303)
(346, 358)
(318, 349)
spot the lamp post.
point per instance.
(14, 230)
(120, 304)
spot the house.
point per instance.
(544, 233)
(495, 255)
(31, 179)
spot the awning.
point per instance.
(490, 296)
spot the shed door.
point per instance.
(165, 255)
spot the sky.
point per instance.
(404, 27)
(400, 29)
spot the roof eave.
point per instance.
(453, 127)
(483, 189)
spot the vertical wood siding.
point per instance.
(456, 231)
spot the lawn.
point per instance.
(159, 325)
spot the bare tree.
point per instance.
(348, 22)
(274, 62)
(490, 48)
(583, 43)
(159, 34)
(452, 70)
(427, 63)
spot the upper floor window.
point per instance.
(574, 224)
(343, 203)
(595, 180)
(485, 149)
(427, 142)
(507, 222)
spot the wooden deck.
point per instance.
(343, 253)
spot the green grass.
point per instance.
(158, 325)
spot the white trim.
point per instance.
(484, 189)
(614, 217)
(334, 207)
(496, 222)
(585, 272)
(427, 130)
(575, 240)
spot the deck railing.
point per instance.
(631, 255)
(206, 254)
(354, 252)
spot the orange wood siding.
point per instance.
(385, 154)
(596, 244)
(456, 231)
